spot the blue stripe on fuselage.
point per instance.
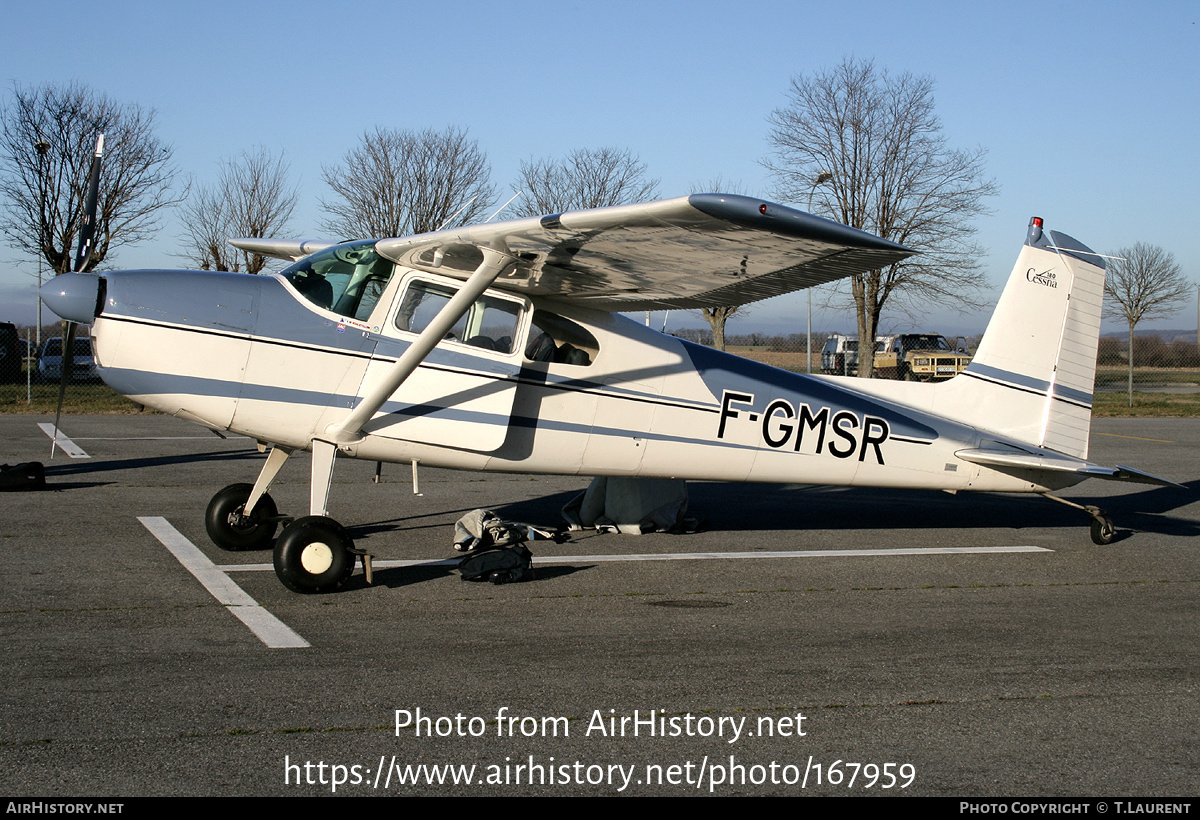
(725, 372)
(1029, 383)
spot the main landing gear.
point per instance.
(314, 553)
(231, 529)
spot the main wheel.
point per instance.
(313, 555)
(230, 529)
(1103, 531)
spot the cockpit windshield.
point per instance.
(347, 279)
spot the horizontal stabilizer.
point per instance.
(1129, 474)
(1003, 456)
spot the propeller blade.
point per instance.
(68, 361)
(87, 230)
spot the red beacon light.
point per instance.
(1035, 230)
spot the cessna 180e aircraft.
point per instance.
(501, 347)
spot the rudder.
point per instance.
(1033, 375)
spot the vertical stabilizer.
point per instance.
(1033, 375)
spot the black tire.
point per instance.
(232, 531)
(1103, 531)
(313, 555)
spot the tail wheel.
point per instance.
(313, 555)
(1103, 530)
(230, 529)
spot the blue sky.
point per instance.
(1088, 111)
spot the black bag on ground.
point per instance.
(28, 476)
(497, 551)
(498, 566)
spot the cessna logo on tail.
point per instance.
(1046, 278)
(804, 429)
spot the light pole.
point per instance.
(821, 179)
(42, 147)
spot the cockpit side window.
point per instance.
(553, 338)
(347, 279)
(490, 324)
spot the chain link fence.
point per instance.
(1164, 378)
(30, 375)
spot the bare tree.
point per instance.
(720, 185)
(1143, 282)
(870, 148)
(718, 316)
(398, 183)
(47, 141)
(586, 178)
(252, 198)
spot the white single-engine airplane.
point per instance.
(500, 347)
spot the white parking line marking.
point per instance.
(684, 556)
(156, 438)
(65, 444)
(870, 553)
(269, 629)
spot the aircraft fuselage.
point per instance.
(251, 355)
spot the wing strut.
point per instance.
(494, 263)
(324, 448)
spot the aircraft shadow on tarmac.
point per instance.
(731, 506)
(784, 508)
(54, 472)
(395, 577)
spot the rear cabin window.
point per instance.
(347, 279)
(553, 338)
(490, 324)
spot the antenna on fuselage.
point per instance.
(502, 207)
(466, 205)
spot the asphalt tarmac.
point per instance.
(1072, 670)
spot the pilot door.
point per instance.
(462, 394)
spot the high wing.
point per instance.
(703, 250)
(292, 250)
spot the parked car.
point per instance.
(50, 361)
(924, 357)
(839, 357)
(10, 353)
